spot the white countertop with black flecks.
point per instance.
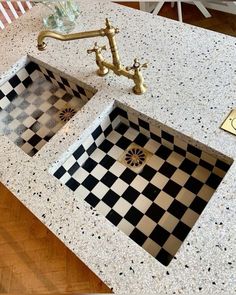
(191, 82)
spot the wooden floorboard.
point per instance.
(220, 22)
(33, 260)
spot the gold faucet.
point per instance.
(133, 72)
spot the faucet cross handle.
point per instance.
(137, 65)
(96, 48)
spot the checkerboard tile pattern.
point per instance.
(158, 206)
(30, 105)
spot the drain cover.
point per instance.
(66, 114)
(135, 157)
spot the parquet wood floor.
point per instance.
(33, 260)
(219, 22)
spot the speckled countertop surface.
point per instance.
(191, 87)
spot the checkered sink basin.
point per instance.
(35, 103)
(157, 204)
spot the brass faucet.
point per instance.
(133, 72)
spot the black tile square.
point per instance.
(75, 93)
(52, 111)
(121, 128)
(141, 139)
(123, 143)
(27, 82)
(177, 209)
(73, 168)
(34, 140)
(130, 195)
(194, 150)
(134, 126)
(79, 152)
(163, 152)
(213, 180)
(114, 114)
(151, 192)
(24, 105)
(155, 212)
(65, 82)
(92, 200)
(14, 81)
(35, 127)
(167, 169)
(188, 166)
(108, 130)
(155, 137)
(198, 205)
(138, 236)
(143, 124)
(36, 114)
(107, 162)
(1, 94)
(91, 149)
(181, 231)
(148, 172)
(81, 90)
(106, 145)
(172, 188)
(66, 97)
(122, 113)
(133, 216)
(62, 86)
(89, 165)
(50, 74)
(109, 178)
(31, 67)
(222, 165)
(72, 184)
(193, 185)
(164, 257)
(206, 165)
(128, 175)
(11, 95)
(90, 182)
(159, 235)
(110, 198)
(60, 172)
(114, 217)
(180, 151)
(97, 132)
(167, 136)
(22, 116)
(20, 129)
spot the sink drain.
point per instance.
(135, 157)
(67, 114)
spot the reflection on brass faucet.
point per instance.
(109, 31)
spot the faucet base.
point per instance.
(102, 72)
(139, 89)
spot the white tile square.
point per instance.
(82, 159)
(114, 136)
(65, 177)
(100, 190)
(175, 159)
(103, 208)
(155, 130)
(105, 123)
(99, 171)
(97, 155)
(100, 139)
(139, 183)
(69, 163)
(4, 102)
(88, 142)
(82, 192)
(19, 88)
(116, 122)
(122, 207)
(151, 247)
(115, 152)
(146, 225)
(152, 146)
(155, 162)
(43, 131)
(27, 147)
(125, 227)
(22, 74)
(142, 203)
(159, 180)
(131, 134)
(117, 169)
(27, 134)
(6, 88)
(119, 186)
(80, 175)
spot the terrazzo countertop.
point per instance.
(191, 87)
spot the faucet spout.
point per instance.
(54, 35)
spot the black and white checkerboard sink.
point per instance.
(35, 103)
(158, 205)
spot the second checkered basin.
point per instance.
(157, 206)
(35, 103)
